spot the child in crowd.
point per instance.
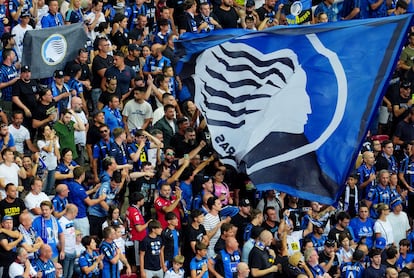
(176, 271)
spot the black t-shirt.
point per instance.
(12, 209)
(43, 111)
(26, 93)
(334, 234)
(120, 39)
(135, 34)
(220, 244)
(227, 19)
(262, 13)
(400, 101)
(152, 248)
(98, 64)
(323, 258)
(105, 97)
(240, 222)
(6, 257)
(259, 259)
(168, 241)
(184, 148)
(145, 186)
(191, 235)
(93, 136)
(134, 64)
(86, 73)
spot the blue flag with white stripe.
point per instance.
(290, 106)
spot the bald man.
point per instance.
(228, 258)
(60, 200)
(366, 173)
(261, 258)
(243, 270)
(44, 263)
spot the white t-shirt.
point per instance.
(50, 159)
(80, 136)
(68, 228)
(32, 201)
(91, 17)
(293, 242)
(385, 229)
(137, 113)
(399, 224)
(17, 269)
(10, 174)
(171, 273)
(20, 136)
(19, 33)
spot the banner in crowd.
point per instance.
(47, 50)
(290, 106)
(298, 12)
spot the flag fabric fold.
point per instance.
(47, 50)
(290, 106)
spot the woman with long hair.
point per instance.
(119, 31)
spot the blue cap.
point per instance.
(7, 217)
(380, 243)
(395, 202)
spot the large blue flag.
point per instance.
(291, 106)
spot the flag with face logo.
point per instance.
(291, 106)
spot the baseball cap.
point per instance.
(7, 36)
(244, 203)
(7, 217)
(250, 3)
(395, 202)
(404, 84)
(330, 243)
(58, 74)
(380, 243)
(25, 68)
(26, 13)
(134, 46)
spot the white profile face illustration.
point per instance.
(240, 87)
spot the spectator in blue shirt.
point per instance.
(53, 18)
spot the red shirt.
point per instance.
(161, 202)
(134, 217)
